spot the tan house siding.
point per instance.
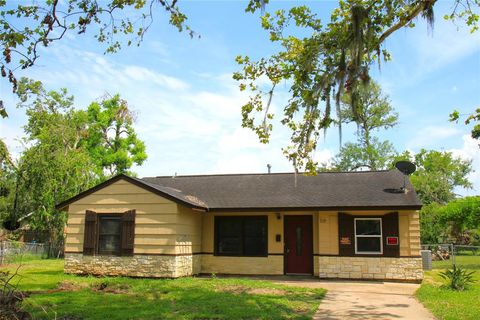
(166, 234)
(155, 222)
(409, 225)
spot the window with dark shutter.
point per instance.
(90, 231)
(368, 235)
(109, 234)
(346, 236)
(390, 229)
(128, 232)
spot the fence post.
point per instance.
(453, 254)
(1, 252)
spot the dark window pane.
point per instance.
(368, 244)
(241, 236)
(229, 236)
(109, 244)
(109, 226)
(368, 227)
(255, 236)
(299, 240)
(109, 235)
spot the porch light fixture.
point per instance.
(279, 215)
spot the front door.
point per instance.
(298, 244)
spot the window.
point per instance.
(368, 236)
(241, 236)
(109, 234)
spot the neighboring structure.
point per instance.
(353, 225)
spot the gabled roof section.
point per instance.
(361, 190)
(163, 191)
(365, 190)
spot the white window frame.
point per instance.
(368, 236)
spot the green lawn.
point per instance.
(445, 303)
(185, 298)
(468, 261)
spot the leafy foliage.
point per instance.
(461, 217)
(25, 27)
(473, 118)
(438, 174)
(376, 156)
(432, 228)
(331, 61)
(67, 151)
(457, 278)
(374, 113)
(111, 139)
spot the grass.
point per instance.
(445, 303)
(185, 298)
(469, 262)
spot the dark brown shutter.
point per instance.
(390, 229)
(128, 233)
(346, 236)
(90, 233)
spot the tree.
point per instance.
(438, 174)
(432, 229)
(473, 118)
(111, 139)
(64, 154)
(55, 165)
(24, 28)
(462, 216)
(375, 112)
(352, 156)
(331, 61)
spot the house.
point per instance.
(356, 225)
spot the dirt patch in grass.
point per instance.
(269, 291)
(65, 285)
(111, 288)
(247, 290)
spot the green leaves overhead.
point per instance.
(321, 63)
(26, 26)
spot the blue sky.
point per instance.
(188, 106)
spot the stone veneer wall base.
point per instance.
(152, 266)
(371, 268)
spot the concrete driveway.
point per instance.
(366, 300)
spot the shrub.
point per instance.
(11, 298)
(457, 278)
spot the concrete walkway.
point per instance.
(366, 300)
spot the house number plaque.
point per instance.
(345, 241)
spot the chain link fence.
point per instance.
(14, 251)
(445, 255)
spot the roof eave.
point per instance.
(316, 208)
(134, 181)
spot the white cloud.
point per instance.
(448, 44)
(470, 151)
(431, 136)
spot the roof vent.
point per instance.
(269, 168)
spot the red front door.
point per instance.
(298, 244)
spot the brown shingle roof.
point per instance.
(324, 191)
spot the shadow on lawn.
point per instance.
(173, 300)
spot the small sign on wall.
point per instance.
(392, 241)
(345, 241)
